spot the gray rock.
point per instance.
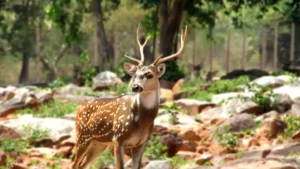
(270, 114)
(230, 109)
(283, 103)
(105, 79)
(292, 90)
(57, 128)
(192, 106)
(218, 98)
(241, 122)
(295, 110)
(269, 81)
(159, 164)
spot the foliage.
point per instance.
(191, 84)
(53, 109)
(56, 161)
(59, 82)
(172, 109)
(9, 162)
(263, 96)
(20, 145)
(174, 72)
(293, 126)
(155, 149)
(225, 138)
(104, 160)
(293, 77)
(220, 86)
(120, 88)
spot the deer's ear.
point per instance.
(161, 69)
(130, 68)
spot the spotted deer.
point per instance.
(122, 122)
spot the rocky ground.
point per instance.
(254, 126)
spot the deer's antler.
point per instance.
(182, 42)
(141, 46)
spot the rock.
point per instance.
(75, 98)
(295, 110)
(249, 142)
(73, 89)
(8, 133)
(252, 74)
(189, 134)
(64, 150)
(11, 105)
(203, 158)
(240, 122)
(292, 90)
(283, 103)
(104, 80)
(193, 107)
(272, 127)
(166, 94)
(169, 139)
(270, 114)
(189, 146)
(56, 127)
(71, 116)
(188, 155)
(159, 164)
(42, 152)
(257, 163)
(269, 81)
(44, 96)
(296, 136)
(219, 98)
(230, 109)
(178, 85)
(183, 119)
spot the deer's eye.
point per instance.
(149, 76)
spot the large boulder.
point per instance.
(240, 122)
(292, 90)
(57, 128)
(159, 164)
(193, 107)
(229, 109)
(219, 98)
(104, 80)
(269, 81)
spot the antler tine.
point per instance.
(157, 59)
(133, 59)
(182, 42)
(139, 43)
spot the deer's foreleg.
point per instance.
(137, 153)
(119, 154)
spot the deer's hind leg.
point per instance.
(94, 150)
(81, 150)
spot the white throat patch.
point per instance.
(149, 100)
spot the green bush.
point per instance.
(104, 160)
(20, 145)
(52, 109)
(293, 126)
(225, 138)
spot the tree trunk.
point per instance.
(155, 22)
(292, 48)
(169, 20)
(244, 49)
(228, 52)
(116, 52)
(263, 48)
(275, 53)
(104, 51)
(24, 74)
(38, 48)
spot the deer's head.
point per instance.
(146, 78)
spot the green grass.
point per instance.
(53, 109)
(225, 138)
(220, 86)
(20, 145)
(293, 126)
(104, 160)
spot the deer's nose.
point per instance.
(136, 88)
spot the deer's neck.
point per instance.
(149, 100)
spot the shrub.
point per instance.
(53, 109)
(293, 126)
(104, 160)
